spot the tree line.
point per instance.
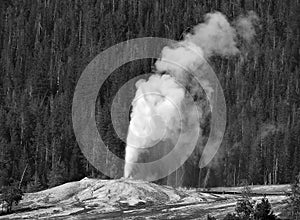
(45, 45)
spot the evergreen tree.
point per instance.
(294, 199)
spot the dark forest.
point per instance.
(46, 44)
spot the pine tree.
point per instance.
(294, 199)
(57, 175)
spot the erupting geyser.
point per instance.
(168, 107)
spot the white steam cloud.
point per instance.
(163, 105)
(215, 36)
(245, 26)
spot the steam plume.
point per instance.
(163, 108)
(245, 26)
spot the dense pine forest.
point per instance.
(46, 44)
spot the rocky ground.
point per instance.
(131, 199)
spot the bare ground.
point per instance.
(131, 199)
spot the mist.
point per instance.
(162, 107)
